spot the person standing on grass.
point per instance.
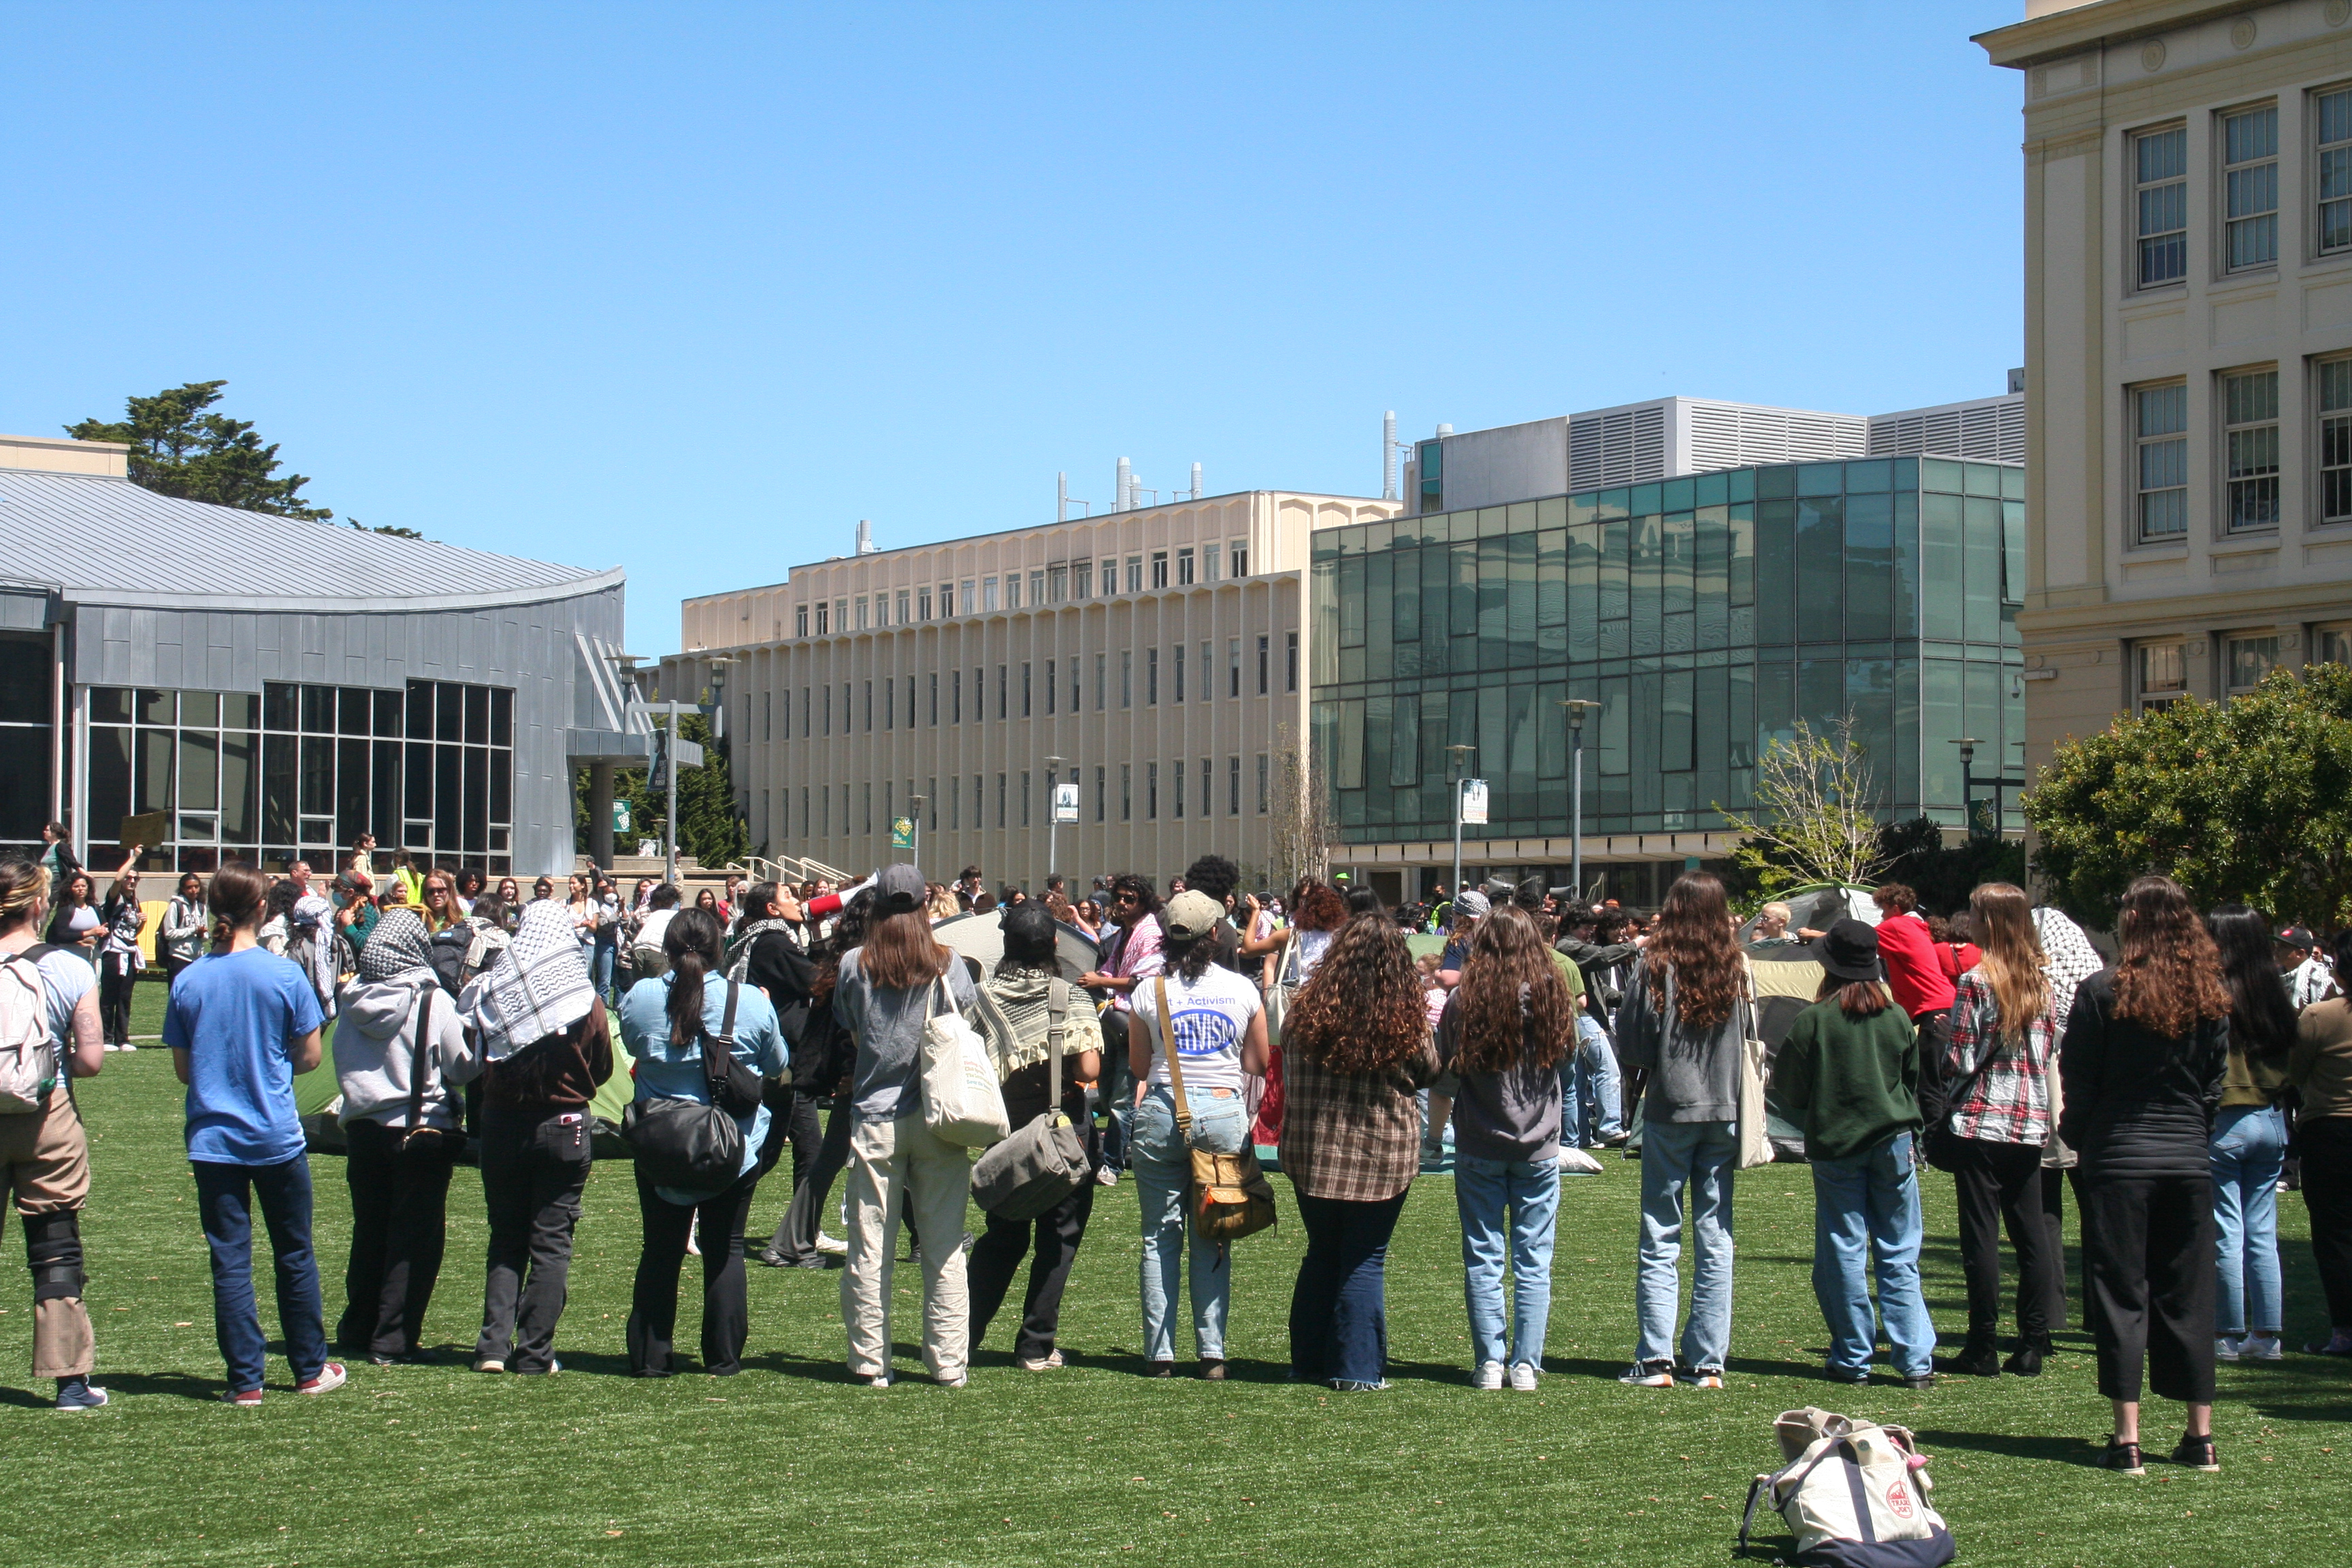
(1996, 1066)
(73, 919)
(823, 1054)
(1219, 1026)
(123, 917)
(1680, 1026)
(547, 1041)
(242, 1024)
(667, 1021)
(181, 939)
(2145, 1056)
(45, 1152)
(1849, 1070)
(886, 990)
(1907, 948)
(2249, 1145)
(1135, 910)
(402, 1055)
(1357, 1055)
(2320, 1068)
(1027, 989)
(1504, 1035)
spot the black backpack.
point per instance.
(447, 952)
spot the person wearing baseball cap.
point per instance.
(1848, 1072)
(2309, 979)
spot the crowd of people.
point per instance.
(2171, 1086)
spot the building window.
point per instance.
(1211, 556)
(1180, 672)
(841, 623)
(1082, 579)
(1126, 792)
(1049, 687)
(861, 611)
(1184, 568)
(1074, 693)
(2160, 425)
(1102, 661)
(1003, 692)
(1160, 568)
(2249, 180)
(2335, 441)
(1208, 783)
(1290, 661)
(1234, 671)
(1013, 590)
(1262, 785)
(1152, 792)
(1037, 589)
(2250, 658)
(1025, 798)
(947, 601)
(970, 605)
(889, 703)
(955, 696)
(2331, 645)
(824, 619)
(1027, 687)
(923, 604)
(869, 708)
(1151, 678)
(1178, 773)
(2251, 437)
(1135, 574)
(2161, 669)
(1126, 679)
(935, 699)
(987, 593)
(1239, 552)
(800, 620)
(2334, 161)
(905, 597)
(1232, 787)
(1262, 663)
(1102, 790)
(1057, 583)
(1109, 578)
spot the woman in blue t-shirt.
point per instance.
(665, 1020)
(243, 1022)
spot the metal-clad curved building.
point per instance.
(278, 687)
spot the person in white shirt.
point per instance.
(2308, 977)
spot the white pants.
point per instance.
(896, 1164)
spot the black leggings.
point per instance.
(114, 983)
(653, 1309)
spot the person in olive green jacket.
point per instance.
(1849, 1071)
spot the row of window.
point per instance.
(2247, 450)
(1024, 696)
(2161, 669)
(1071, 583)
(2247, 150)
(1208, 791)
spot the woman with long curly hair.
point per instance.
(1504, 1033)
(1680, 1028)
(2249, 1145)
(1359, 1051)
(1996, 1066)
(2146, 1048)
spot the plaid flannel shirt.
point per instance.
(1353, 1136)
(2009, 1101)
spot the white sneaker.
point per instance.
(2224, 1348)
(1523, 1377)
(879, 1380)
(831, 1245)
(1107, 1176)
(1490, 1375)
(2260, 1347)
(1047, 1363)
(1577, 1162)
(958, 1381)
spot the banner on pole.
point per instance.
(902, 833)
(1065, 803)
(1474, 802)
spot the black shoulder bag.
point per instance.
(685, 1143)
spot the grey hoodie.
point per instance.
(1693, 1074)
(375, 1043)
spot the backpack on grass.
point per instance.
(1854, 1493)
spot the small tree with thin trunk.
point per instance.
(1815, 818)
(1298, 842)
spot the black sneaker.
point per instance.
(2197, 1454)
(2025, 1362)
(1975, 1360)
(1856, 1376)
(1921, 1384)
(2124, 1458)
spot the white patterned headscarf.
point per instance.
(537, 986)
(397, 951)
(2068, 958)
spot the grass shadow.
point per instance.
(2047, 1449)
(172, 1384)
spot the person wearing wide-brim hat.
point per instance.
(1848, 1072)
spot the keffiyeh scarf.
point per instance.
(537, 986)
(2068, 958)
(397, 951)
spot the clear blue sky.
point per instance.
(690, 289)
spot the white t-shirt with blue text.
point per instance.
(1208, 1018)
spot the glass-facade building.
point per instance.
(1705, 614)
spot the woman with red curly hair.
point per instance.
(2146, 1050)
(1357, 1050)
(1680, 1026)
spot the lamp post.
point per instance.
(1969, 780)
(1053, 817)
(917, 803)
(718, 666)
(1576, 707)
(1457, 750)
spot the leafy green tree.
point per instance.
(2248, 800)
(1944, 875)
(1815, 818)
(180, 448)
(708, 827)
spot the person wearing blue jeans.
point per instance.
(1527, 1192)
(1682, 1025)
(2248, 1152)
(242, 1023)
(1163, 1174)
(1590, 1112)
(1848, 1072)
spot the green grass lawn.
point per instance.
(791, 1463)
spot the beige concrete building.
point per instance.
(2189, 349)
(1157, 652)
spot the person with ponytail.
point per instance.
(1996, 1065)
(667, 1021)
(1680, 1026)
(1504, 1034)
(2249, 1145)
(2145, 1056)
(885, 993)
(242, 1025)
(45, 1155)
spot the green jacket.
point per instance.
(1851, 1083)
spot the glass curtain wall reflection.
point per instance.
(1706, 614)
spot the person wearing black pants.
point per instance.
(653, 1306)
(400, 1208)
(793, 1245)
(2000, 1184)
(996, 1258)
(2149, 1260)
(2327, 1193)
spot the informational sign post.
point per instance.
(1474, 802)
(1065, 803)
